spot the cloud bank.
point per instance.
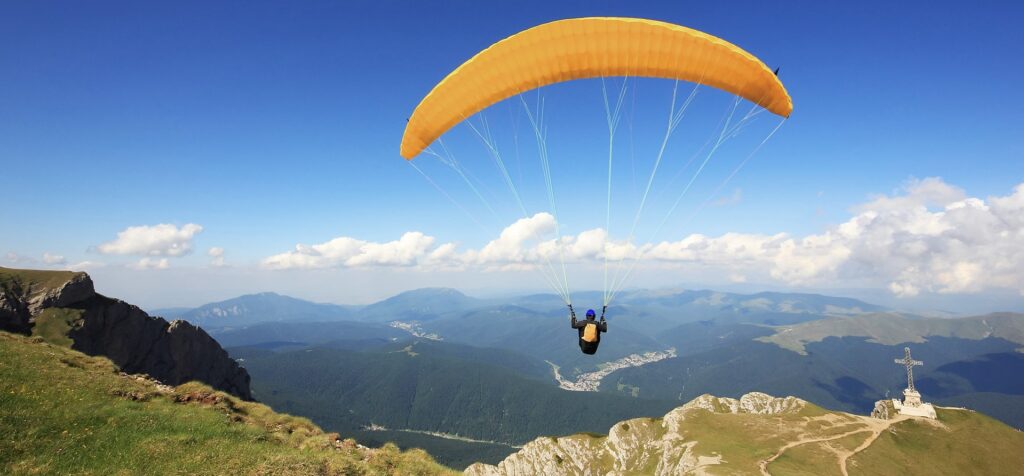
(411, 249)
(927, 237)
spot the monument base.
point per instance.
(925, 410)
(911, 398)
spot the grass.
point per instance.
(806, 460)
(742, 439)
(960, 442)
(851, 442)
(965, 443)
(54, 325)
(31, 279)
(62, 412)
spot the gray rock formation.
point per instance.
(25, 293)
(173, 353)
(14, 315)
(883, 410)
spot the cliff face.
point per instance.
(25, 293)
(14, 316)
(173, 353)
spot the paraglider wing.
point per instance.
(587, 48)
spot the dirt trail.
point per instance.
(871, 425)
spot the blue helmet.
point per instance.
(591, 313)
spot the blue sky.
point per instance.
(273, 124)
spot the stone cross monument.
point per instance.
(912, 404)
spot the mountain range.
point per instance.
(482, 384)
(834, 352)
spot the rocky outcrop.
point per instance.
(883, 410)
(638, 446)
(25, 293)
(14, 315)
(753, 402)
(77, 288)
(171, 352)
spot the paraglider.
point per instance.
(589, 48)
(589, 330)
(580, 48)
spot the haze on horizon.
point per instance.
(183, 157)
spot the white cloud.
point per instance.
(928, 192)
(734, 198)
(726, 249)
(16, 258)
(85, 266)
(156, 240)
(511, 245)
(216, 254)
(517, 247)
(53, 259)
(928, 237)
(737, 278)
(412, 248)
(150, 263)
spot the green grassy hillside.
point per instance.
(62, 412)
(962, 442)
(760, 434)
(32, 280)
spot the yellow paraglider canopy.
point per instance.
(587, 48)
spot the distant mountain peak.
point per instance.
(418, 304)
(259, 307)
(439, 291)
(268, 294)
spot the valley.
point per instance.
(725, 344)
(509, 372)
